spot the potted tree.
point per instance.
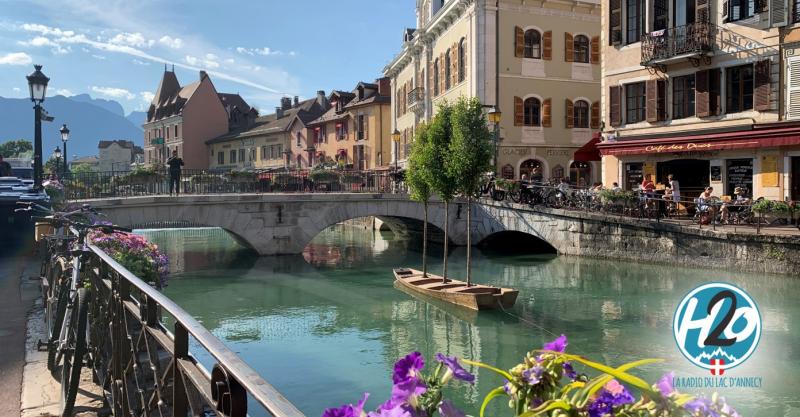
(441, 180)
(420, 170)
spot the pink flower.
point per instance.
(614, 387)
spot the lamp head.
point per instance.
(64, 133)
(37, 84)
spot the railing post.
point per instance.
(181, 349)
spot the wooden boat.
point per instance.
(464, 314)
(475, 296)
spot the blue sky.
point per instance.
(260, 49)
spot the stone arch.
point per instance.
(515, 241)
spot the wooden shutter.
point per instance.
(454, 65)
(763, 86)
(570, 114)
(701, 11)
(793, 87)
(652, 101)
(615, 110)
(547, 113)
(366, 126)
(442, 73)
(466, 58)
(547, 53)
(701, 94)
(725, 10)
(615, 22)
(519, 118)
(595, 118)
(661, 100)
(595, 53)
(778, 13)
(519, 42)
(430, 78)
(569, 47)
(714, 92)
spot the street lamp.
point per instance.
(64, 138)
(57, 157)
(396, 140)
(494, 117)
(37, 84)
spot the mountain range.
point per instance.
(90, 120)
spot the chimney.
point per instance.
(296, 101)
(384, 86)
(286, 103)
(278, 112)
(322, 100)
(203, 75)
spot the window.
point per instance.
(795, 11)
(531, 112)
(635, 100)
(580, 111)
(341, 131)
(280, 150)
(220, 158)
(533, 44)
(176, 131)
(298, 140)
(436, 77)
(683, 97)
(581, 49)
(233, 156)
(507, 172)
(741, 9)
(320, 132)
(264, 152)
(739, 91)
(362, 127)
(241, 155)
(252, 156)
(462, 59)
(635, 20)
(447, 73)
(299, 161)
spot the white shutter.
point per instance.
(778, 13)
(793, 87)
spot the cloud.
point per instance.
(138, 62)
(114, 92)
(16, 58)
(131, 39)
(46, 30)
(16, 89)
(265, 51)
(147, 96)
(169, 41)
(64, 92)
(100, 57)
(40, 41)
(208, 62)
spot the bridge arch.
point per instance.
(517, 242)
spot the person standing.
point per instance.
(675, 187)
(5, 168)
(175, 163)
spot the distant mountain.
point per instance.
(137, 118)
(88, 124)
(109, 105)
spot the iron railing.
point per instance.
(661, 45)
(89, 185)
(416, 99)
(139, 345)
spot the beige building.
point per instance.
(546, 82)
(116, 155)
(694, 88)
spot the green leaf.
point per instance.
(547, 406)
(490, 396)
(500, 372)
(616, 373)
(571, 386)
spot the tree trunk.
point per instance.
(446, 238)
(425, 241)
(469, 240)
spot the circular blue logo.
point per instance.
(717, 326)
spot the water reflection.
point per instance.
(330, 322)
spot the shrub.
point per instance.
(136, 254)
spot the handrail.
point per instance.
(671, 42)
(260, 390)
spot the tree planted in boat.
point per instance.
(442, 183)
(420, 167)
(469, 156)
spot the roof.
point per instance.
(305, 111)
(92, 159)
(233, 100)
(121, 143)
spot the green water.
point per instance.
(327, 326)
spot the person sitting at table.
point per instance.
(740, 200)
(647, 185)
(706, 202)
(615, 187)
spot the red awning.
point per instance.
(756, 138)
(588, 152)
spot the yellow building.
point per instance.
(537, 62)
(693, 89)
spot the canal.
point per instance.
(327, 326)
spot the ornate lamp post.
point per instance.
(64, 138)
(57, 157)
(494, 117)
(37, 84)
(396, 140)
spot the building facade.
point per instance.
(356, 131)
(537, 62)
(116, 155)
(699, 89)
(184, 118)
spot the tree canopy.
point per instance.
(13, 148)
(420, 167)
(469, 152)
(440, 133)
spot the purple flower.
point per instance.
(569, 371)
(408, 367)
(507, 388)
(533, 375)
(448, 409)
(389, 410)
(454, 369)
(612, 395)
(349, 410)
(406, 392)
(664, 384)
(701, 405)
(558, 345)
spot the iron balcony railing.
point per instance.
(140, 339)
(416, 99)
(688, 40)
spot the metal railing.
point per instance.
(115, 184)
(695, 38)
(144, 365)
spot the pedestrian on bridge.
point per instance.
(175, 163)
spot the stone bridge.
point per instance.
(285, 223)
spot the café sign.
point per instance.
(681, 147)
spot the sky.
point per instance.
(261, 49)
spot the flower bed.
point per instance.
(545, 384)
(135, 253)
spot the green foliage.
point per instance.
(242, 176)
(618, 197)
(769, 206)
(420, 167)
(352, 178)
(323, 175)
(440, 133)
(53, 166)
(143, 174)
(14, 148)
(506, 185)
(470, 150)
(81, 169)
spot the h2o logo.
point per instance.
(717, 326)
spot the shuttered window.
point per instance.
(615, 106)
(581, 49)
(740, 9)
(635, 102)
(656, 100)
(547, 45)
(683, 97)
(615, 22)
(634, 23)
(436, 77)
(462, 59)
(739, 89)
(580, 111)
(795, 11)
(763, 86)
(793, 87)
(447, 74)
(595, 49)
(533, 44)
(532, 112)
(595, 122)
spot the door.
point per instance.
(795, 178)
(691, 174)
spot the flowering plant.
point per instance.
(544, 384)
(54, 190)
(136, 254)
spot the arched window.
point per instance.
(531, 169)
(533, 44)
(531, 111)
(447, 73)
(580, 112)
(580, 173)
(462, 60)
(436, 77)
(581, 49)
(507, 172)
(558, 172)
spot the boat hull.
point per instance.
(475, 297)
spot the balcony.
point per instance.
(416, 100)
(671, 45)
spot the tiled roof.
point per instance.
(233, 100)
(122, 144)
(305, 111)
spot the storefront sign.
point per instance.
(769, 171)
(716, 173)
(517, 151)
(682, 147)
(557, 152)
(740, 174)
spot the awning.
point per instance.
(756, 138)
(588, 152)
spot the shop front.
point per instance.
(546, 164)
(761, 160)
